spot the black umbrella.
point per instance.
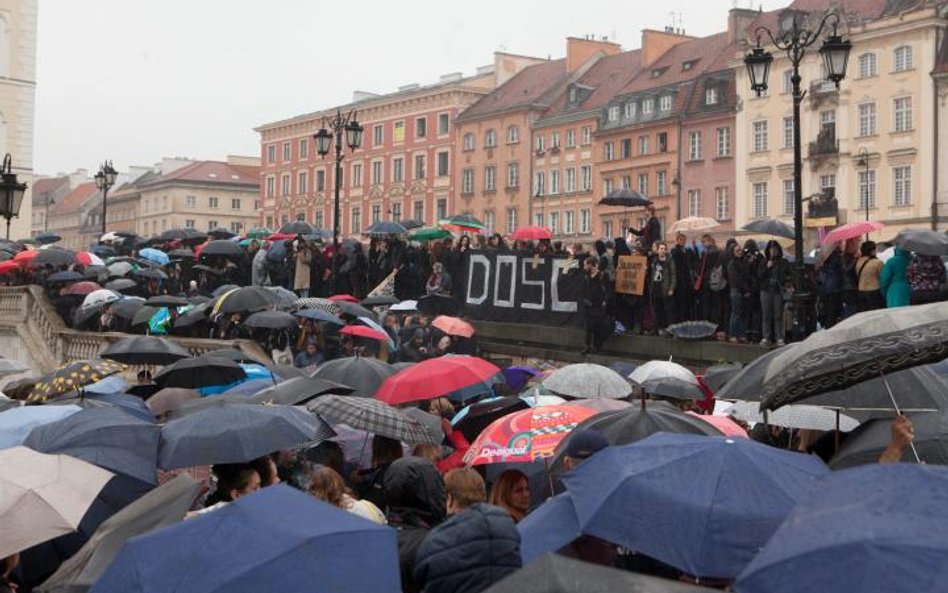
(233, 354)
(673, 388)
(150, 274)
(379, 301)
(298, 390)
(223, 289)
(411, 223)
(121, 284)
(770, 226)
(355, 310)
(923, 241)
(626, 197)
(145, 350)
(220, 233)
(144, 315)
(179, 234)
(480, 415)
(200, 371)
(297, 227)
(181, 253)
(191, 317)
(103, 251)
(97, 273)
(65, 276)
(167, 300)
(386, 227)
(364, 375)
(222, 248)
(245, 300)
(47, 238)
(866, 443)
(53, 257)
(716, 376)
(438, 304)
(208, 270)
(127, 308)
(271, 320)
(285, 299)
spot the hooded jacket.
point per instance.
(469, 552)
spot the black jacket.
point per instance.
(469, 552)
(595, 295)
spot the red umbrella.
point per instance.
(453, 326)
(852, 230)
(435, 377)
(8, 266)
(25, 256)
(83, 288)
(727, 426)
(531, 233)
(199, 249)
(281, 237)
(344, 297)
(364, 332)
(527, 435)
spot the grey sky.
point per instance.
(135, 80)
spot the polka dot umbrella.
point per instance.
(72, 377)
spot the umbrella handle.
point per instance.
(895, 405)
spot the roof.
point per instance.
(76, 198)
(210, 172)
(523, 90)
(683, 62)
(604, 78)
(865, 9)
(941, 60)
(49, 186)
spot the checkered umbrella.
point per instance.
(372, 416)
(317, 303)
(527, 435)
(72, 377)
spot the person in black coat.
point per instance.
(651, 232)
(596, 297)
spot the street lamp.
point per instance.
(104, 180)
(793, 38)
(335, 127)
(11, 192)
(49, 202)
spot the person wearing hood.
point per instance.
(894, 283)
(414, 491)
(773, 274)
(415, 350)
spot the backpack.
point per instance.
(716, 280)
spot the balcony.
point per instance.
(823, 91)
(826, 145)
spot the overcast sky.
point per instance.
(136, 80)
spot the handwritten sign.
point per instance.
(630, 274)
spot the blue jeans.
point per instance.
(736, 325)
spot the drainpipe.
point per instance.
(681, 124)
(935, 128)
(529, 179)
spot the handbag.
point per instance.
(699, 279)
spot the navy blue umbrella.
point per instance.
(704, 505)
(106, 437)
(548, 528)
(278, 539)
(872, 529)
(65, 276)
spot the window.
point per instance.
(443, 169)
(398, 132)
(827, 181)
(607, 228)
(285, 185)
(356, 220)
(211, 225)
(190, 201)
(554, 222)
(511, 220)
(304, 148)
(570, 138)
(694, 146)
(661, 185)
(555, 140)
(787, 87)
(643, 144)
(189, 223)
(626, 148)
(469, 141)
(539, 183)
(643, 184)
(614, 113)
(269, 222)
(609, 151)
(665, 103)
(541, 143)
(694, 202)
(568, 222)
(760, 138)
(903, 114)
(318, 220)
(587, 135)
(271, 155)
(724, 141)
(570, 180)
(213, 203)
(377, 135)
(356, 177)
(489, 221)
(711, 96)
(788, 132)
(555, 181)
(626, 182)
(376, 172)
(419, 166)
(867, 65)
(397, 211)
(490, 178)
(788, 192)
(442, 208)
(828, 123)
(584, 220)
(538, 219)
(867, 189)
(286, 151)
(376, 213)
(902, 185)
(467, 181)
(607, 186)
(490, 138)
(720, 203)
(867, 119)
(421, 127)
(235, 203)
(661, 142)
(760, 199)
(585, 178)
(271, 182)
(903, 58)
(647, 106)
(398, 169)
(630, 109)
(418, 210)
(513, 175)
(301, 186)
(444, 121)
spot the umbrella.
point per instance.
(222, 247)
(191, 317)
(585, 380)
(43, 496)
(8, 267)
(9, 366)
(867, 442)
(354, 309)
(724, 424)
(106, 437)
(259, 233)
(770, 226)
(423, 234)
(372, 416)
(692, 330)
(121, 285)
(298, 390)
(794, 416)
(693, 224)
(549, 527)
(145, 350)
(100, 297)
(438, 304)
(462, 222)
(716, 376)
(881, 526)
(278, 539)
(150, 274)
(65, 276)
(221, 233)
(297, 227)
(385, 227)
(525, 436)
(103, 251)
(437, 377)
(234, 354)
(143, 315)
(378, 301)
(119, 269)
(16, 423)
(554, 573)
(166, 300)
(411, 223)
(473, 419)
(128, 404)
(181, 253)
(923, 241)
(284, 298)
(531, 233)
(409, 305)
(517, 377)
(852, 230)
(182, 235)
(271, 320)
(154, 255)
(673, 388)
(170, 398)
(364, 375)
(85, 288)
(661, 369)
(453, 326)
(54, 257)
(704, 505)
(200, 371)
(245, 300)
(626, 197)
(602, 405)
(319, 315)
(47, 238)
(236, 433)
(73, 376)
(165, 505)
(362, 331)
(318, 303)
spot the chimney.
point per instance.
(578, 51)
(362, 96)
(656, 43)
(738, 20)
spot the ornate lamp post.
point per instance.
(11, 192)
(794, 37)
(104, 180)
(332, 130)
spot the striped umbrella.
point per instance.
(372, 416)
(852, 230)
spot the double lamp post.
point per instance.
(793, 37)
(104, 180)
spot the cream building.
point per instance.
(871, 144)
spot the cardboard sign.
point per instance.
(630, 274)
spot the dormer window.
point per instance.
(685, 66)
(647, 106)
(630, 109)
(614, 113)
(658, 72)
(665, 103)
(711, 96)
(573, 95)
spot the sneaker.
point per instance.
(781, 343)
(764, 343)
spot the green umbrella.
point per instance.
(429, 234)
(259, 233)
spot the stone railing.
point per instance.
(26, 313)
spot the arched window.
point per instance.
(902, 58)
(490, 138)
(513, 134)
(867, 65)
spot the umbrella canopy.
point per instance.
(437, 377)
(716, 376)
(183, 235)
(692, 330)
(662, 369)
(121, 284)
(106, 437)
(381, 300)
(65, 276)
(271, 320)
(531, 233)
(724, 424)
(84, 288)
(165, 505)
(602, 405)
(170, 398)
(200, 371)
(100, 297)
(704, 505)
(852, 230)
(221, 233)
(54, 257)
(673, 388)
(154, 255)
(222, 247)
(867, 442)
(453, 326)
(517, 377)
(150, 350)
(525, 436)
(318, 303)
(385, 227)
(354, 309)
(770, 226)
(693, 224)
(409, 305)
(362, 331)
(859, 348)
(585, 380)
(462, 222)
(284, 298)
(16, 423)
(246, 299)
(259, 233)
(473, 419)
(297, 227)
(429, 234)
(371, 416)
(43, 496)
(890, 538)
(298, 391)
(9, 366)
(319, 315)
(794, 416)
(236, 433)
(364, 375)
(923, 241)
(277, 539)
(47, 238)
(625, 197)
(73, 376)
(167, 300)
